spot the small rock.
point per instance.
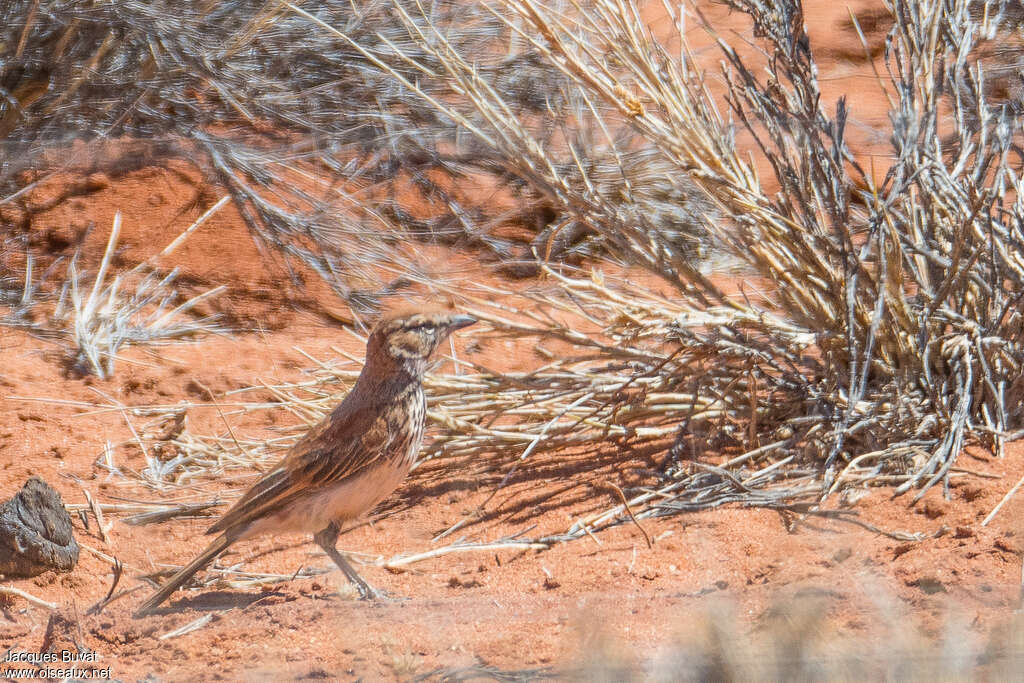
(929, 585)
(35, 532)
(963, 532)
(842, 555)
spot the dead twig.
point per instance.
(31, 599)
(1003, 501)
(107, 599)
(629, 511)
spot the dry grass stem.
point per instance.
(28, 597)
(191, 626)
(112, 315)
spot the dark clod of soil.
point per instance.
(35, 532)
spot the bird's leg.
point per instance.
(327, 539)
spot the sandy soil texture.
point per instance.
(605, 598)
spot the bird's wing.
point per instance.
(343, 444)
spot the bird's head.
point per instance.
(408, 339)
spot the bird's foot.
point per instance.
(372, 594)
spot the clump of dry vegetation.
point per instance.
(139, 306)
(891, 330)
(94, 315)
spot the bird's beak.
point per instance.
(460, 321)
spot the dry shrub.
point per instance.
(138, 306)
(892, 330)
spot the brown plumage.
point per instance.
(348, 462)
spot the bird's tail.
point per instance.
(176, 581)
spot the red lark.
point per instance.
(348, 462)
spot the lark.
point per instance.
(347, 463)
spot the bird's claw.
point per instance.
(377, 595)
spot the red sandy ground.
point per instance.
(510, 609)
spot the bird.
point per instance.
(349, 461)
